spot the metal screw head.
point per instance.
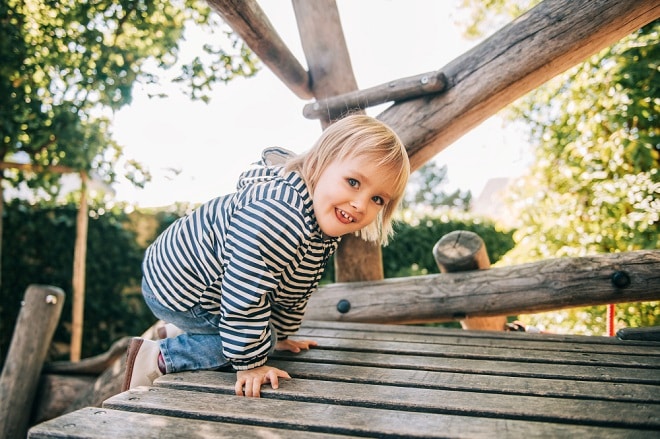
(620, 279)
(343, 306)
(424, 80)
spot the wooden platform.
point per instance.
(368, 380)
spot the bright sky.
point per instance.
(195, 151)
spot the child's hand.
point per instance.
(294, 345)
(252, 380)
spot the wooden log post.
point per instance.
(463, 250)
(37, 320)
(331, 74)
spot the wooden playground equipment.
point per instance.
(372, 376)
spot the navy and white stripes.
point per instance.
(253, 256)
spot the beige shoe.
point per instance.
(168, 331)
(141, 364)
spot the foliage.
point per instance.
(595, 183)
(425, 190)
(491, 14)
(410, 252)
(67, 64)
(38, 249)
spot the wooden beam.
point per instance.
(249, 21)
(331, 74)
(322, 38)
(78, 278)
(520, 289)
(539, 45)
(397, 90)
(37, 319)
(463, 250)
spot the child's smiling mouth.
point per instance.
(343, 216)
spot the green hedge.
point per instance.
(38, 245)
(411, 251)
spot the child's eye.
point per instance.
(353, 182)
(378, 200)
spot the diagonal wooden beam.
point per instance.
(249, 21)
(542, 43)
(397, 90)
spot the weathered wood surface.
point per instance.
(92, 365)
(67, 386)
(395, 90)
(645, 334)
(331, 74)
(462, 250)
(369, 380)
(248, 20)
(546, 41)
(55, 394)
(102, 423)
(79, 264)
(520, 289)
(34, 329)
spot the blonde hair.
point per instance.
(359, 136)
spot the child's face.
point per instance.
(349, 195)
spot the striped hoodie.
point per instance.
(252, 256)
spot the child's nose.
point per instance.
(357, 204)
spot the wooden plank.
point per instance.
(439, 331)
(352, 420)
(96, 423)
(526, 288)
(559, 388)
(510, 341)
(539, 45)
(249, 21)
(491, 353)
(645, 334)
(397, 90)
(479, 366)
(404, 398)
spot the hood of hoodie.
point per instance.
(269, 167)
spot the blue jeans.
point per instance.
(201, 345)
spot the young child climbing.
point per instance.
(233, 278)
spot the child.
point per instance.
(235, 275)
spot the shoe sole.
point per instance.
(132, 352)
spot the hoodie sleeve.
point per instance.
(263, 239)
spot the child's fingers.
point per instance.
(255, 389)
(238, 387)
(272, 377)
